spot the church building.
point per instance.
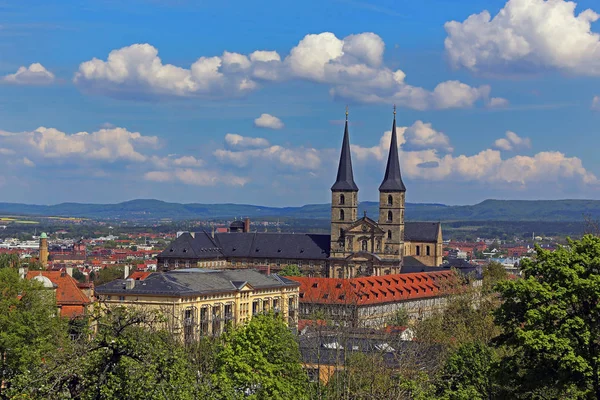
(355, 246)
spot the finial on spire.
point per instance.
(394, 111)
(346, 113)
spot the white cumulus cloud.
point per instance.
(526, 36)
(352, 67)
(268, 121)
(35, 74)
(242, 156)
(105, 144)
(233, 140)
(486, 166)
(511, 142)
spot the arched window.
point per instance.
(428, 250)
(341, 233)
(365, 245)
(341, 215)
(389, 235)
(390, 216)
(418, 250)
(342, 199)
(390, 200)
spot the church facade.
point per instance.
(356, 246)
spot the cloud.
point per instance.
(422, 136)
(103, 145)
(498, 102)
(511, 142)
(295, 158)
(526, 36)
(268, 121)
(351, 67)
(486, 166)
(27, 162)
(596, 103)
(35, 74)
(195, 177)
(233, 140)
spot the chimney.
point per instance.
(268, 269)
(22, 272)
(247, 225)
(129, 284)
(126, 272)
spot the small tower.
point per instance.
(391, 202)
(44, 249)
(344, 197)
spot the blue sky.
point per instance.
(499, 103)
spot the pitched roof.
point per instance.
(345, 177)
(274, 245)
(187, 282)
(421, 231)
(198, 245)
(69, 297)
(392, 181)
(375, 289)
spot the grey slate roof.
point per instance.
(345, 177)
(271, 245)
(193, 282)
(274, 245)
(421, 231)
(392, 181)
(199, 246)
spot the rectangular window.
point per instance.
(428, 251)
(418, 250)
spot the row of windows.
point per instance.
(390, 216)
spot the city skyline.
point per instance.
(228, 103)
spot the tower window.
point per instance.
(389, 235)
(390, 216)
(341, 232)
(390, 200)
(364, 245)
(428, 250)
(418, 250)
(342, 199)
(341, 215)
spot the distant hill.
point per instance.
(488, 210)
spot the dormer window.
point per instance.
(342, 199)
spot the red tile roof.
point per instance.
(375, 289)
(139, 275)
(69, 297)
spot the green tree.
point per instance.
(468, 374)
(493, 273)
(30, 328)
(109, 274)
(291, 270)
(129, 357)
(400, 318)
(551, 323)
(260, 360)
(79, 276)
(10, 260)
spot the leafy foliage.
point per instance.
(291, 270)
(551, 322)
(261, 360)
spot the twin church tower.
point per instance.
(362, 246)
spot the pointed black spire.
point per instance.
(392, 181)
(345, 177)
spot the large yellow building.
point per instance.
(201, 302)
